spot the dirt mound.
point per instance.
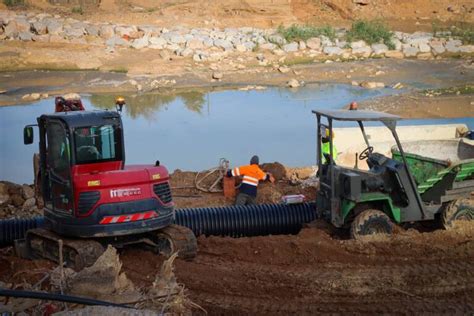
(275, 168)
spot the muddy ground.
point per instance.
(417, 270)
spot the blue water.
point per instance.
(192, 130)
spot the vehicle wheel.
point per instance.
(457, 210)
(371, 222)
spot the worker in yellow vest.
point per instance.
(251, 175)
(325, 146)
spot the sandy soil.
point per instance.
(405, 15)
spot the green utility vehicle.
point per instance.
(432, 181)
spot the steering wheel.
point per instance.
(366, 152)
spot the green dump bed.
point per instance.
(430, 161)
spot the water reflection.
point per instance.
(148, 105)
(191, 130)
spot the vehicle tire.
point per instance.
(371, 222)
(457, 210)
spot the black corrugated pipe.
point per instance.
(13, 229)
(251, 220)
(234, 221)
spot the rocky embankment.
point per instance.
(17, 201)
(211, 44)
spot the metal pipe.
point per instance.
(234, 221)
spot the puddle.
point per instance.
(192, 130)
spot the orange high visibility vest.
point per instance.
(251, 174)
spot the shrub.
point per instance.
(297, 33)
(77, 10)
(12, 3)
(372, 32)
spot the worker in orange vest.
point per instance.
(251, 174)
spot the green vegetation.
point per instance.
(77, 10)
(13, 3)
(372, 32)
(122, 70)
(302, 33)
(463, 31)
(303, 60)
(467, 89)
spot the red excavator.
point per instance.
(91, 198)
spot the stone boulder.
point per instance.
(106, 31)
(333, 50)
(290, 48)
(314, 43)
(379, 49)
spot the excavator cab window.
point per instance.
(59, 197)
(97, 144)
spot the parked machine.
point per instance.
(91, 198)
(405, 188)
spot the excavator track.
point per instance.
(77, 253)
(175, 238)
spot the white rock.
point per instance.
(379, 49)
(40, 27)
(293, 83)
(195, 44)
(358, 44)
(372, 85)
(424, 48)
(92, 30)
(140, 43)
(467, 49)
(332, 50)
(276, 39)
(268, 46)
(291, 47)
(125, 30)
(25, 36)
(437, 47)
(217, 75)
(314, 43)
(106, 31)
(302, 45)
(363, 51)
(54, 27)
(410, 51)
(283, 69)
(278, 52)
(240, 48)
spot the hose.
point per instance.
(57, 297)
(250, 220)
(234, 221)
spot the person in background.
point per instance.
(325, 146)
(251, 175)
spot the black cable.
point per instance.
(57, 297)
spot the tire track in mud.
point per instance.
(413, 278)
